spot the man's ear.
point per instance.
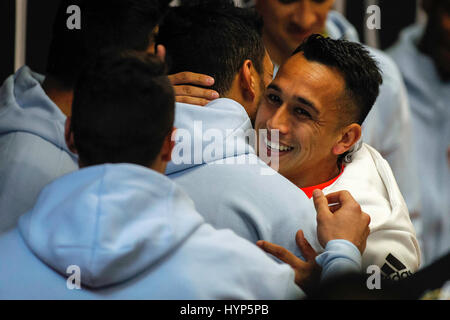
(168, 145)
(247, 81)
(349, 136)
(68, 135)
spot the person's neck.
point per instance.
(313, 177)
(277, 55)
(235, 94)
(61, 96)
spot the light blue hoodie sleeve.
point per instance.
(340, 257)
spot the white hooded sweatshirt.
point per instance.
(392, 243)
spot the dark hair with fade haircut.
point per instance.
(358, 68)
(213, 38)
(123, 108)
(122, 24)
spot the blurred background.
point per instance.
(26, 27)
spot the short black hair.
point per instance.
(123, 24)
(123, 108)
(358, 68)
(213, 38)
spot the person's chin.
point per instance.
(296, 38)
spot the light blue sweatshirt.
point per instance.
(232, 188)
(131, 233)
(32, 147)
(429, 97)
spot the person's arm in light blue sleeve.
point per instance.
(342, 229)
(339, 258)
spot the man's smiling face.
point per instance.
(288, 22)
(302, 103)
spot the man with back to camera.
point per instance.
(130, 231)
(33, 108)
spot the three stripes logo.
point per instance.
(393, 269)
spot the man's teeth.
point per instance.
(276, 146)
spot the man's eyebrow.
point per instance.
(298, 98)
(307, 103)
(274, 87)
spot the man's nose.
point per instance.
(304, 15)
(279, 121)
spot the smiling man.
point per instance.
(305, 103)
(388, 126)
(288, 22)
(317, 102)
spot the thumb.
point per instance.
(320, 202)
(307, 251)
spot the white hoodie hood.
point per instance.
(370, 181)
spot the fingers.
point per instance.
(340, 197)
(320, 202)
(192, 100)
(186, 90)
(191, 78)
(362, 245)
(279, 252)
(195, 92)
(343, 199)
(334, 207)
(307, 251)
(367, 219)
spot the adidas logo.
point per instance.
(393, 269)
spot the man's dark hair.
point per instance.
(123, 108)
(213, 38)
(122, 24)
(359, 70)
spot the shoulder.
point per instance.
(387, 65)
(338, 27)
(362, 179)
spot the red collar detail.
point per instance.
(309, 190)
